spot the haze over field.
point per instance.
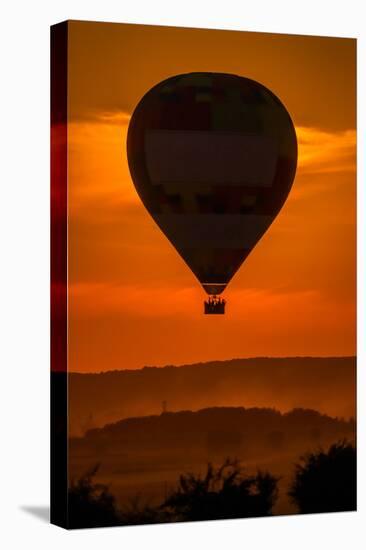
(142, 428)
(145, 456)
(324, 384)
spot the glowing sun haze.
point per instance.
(132, 299)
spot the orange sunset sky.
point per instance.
(132, 299)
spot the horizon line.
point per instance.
(201, 363)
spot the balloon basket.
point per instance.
(214, 306)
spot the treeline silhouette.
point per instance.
(323, 481)
(225, 431)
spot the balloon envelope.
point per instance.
(213, 157)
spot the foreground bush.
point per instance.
(90, 504)
(325, 481)
(222, 493)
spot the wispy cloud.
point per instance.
(113, 117)
(321, 151)
(98, 167)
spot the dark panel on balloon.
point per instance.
(191, 157)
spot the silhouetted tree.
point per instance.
(223, 493)
(90, 504)
(325, 481)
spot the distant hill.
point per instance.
(324, 384)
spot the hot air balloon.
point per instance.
(213, 157)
